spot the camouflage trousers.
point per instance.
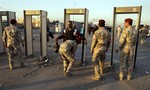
(68, 60)
(126, 62)
(14, 52)
(98, 59)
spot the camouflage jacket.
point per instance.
(11, 36)
(127, 40)
(69, 46)
(101, 40)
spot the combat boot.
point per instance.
(121, 76)
(129, 77)
(95, 78)
(97, 73)
(68, 74)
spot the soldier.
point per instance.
(67, 51)
(100, 44)
(126, 46)
(143, 34)
(12, 39)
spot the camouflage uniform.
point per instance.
(100, 44)
(67, 51)
(126, 45)
(12, 39)
(143, 33)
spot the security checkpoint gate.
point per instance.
(29, 32)
(126, 10)
(9, 15)
(85, 12)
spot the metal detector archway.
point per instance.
(10, 15)
(29, 34)
(126, 10)
(85, 12)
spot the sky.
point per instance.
(98, 9)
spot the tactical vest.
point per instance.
(69, 34)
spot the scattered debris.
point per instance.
(44, 62)
(146, 72)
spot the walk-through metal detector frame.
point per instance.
(10, 15)
(126, 10)
(78, 11)
(29, 32)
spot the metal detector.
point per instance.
(85, 12)
(126, 10)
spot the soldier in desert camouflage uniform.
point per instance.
(143, 33)
(126, 46)
(67, 51)
(12, 39)
(100, 44)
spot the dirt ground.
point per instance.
(33, 77)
